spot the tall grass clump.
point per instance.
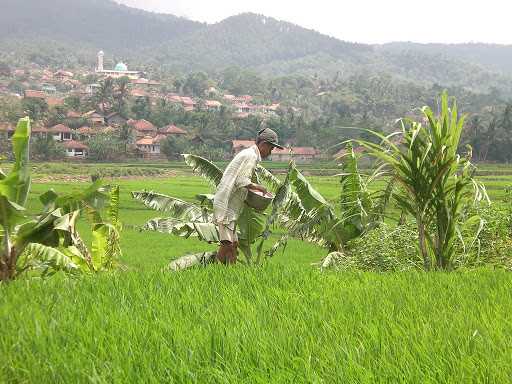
(435, 182)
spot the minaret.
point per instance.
(100, 61)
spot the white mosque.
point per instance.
(120, 70)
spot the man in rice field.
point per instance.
(232, 191)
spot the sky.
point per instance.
(365, 21)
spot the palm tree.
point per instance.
(104, 94)
(120, 94)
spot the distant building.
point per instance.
(115, 119)
(172, 130)
(94, 118)
(30, 93)
(212, 105)
(149, 147)
(142, 128)
(76, 149)
(60, 132)
(298, 154)
(120, 70)
(55, 101)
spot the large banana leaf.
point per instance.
(105, 250)
(204, 167)
(48, 259)
(179, 209)
(310, 198)
(250, 225)
(16, 185)
(271, 181)
(205, 231)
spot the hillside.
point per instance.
(251, 40)
(95, 23)
(68, 33)
(493, 56)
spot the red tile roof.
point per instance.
(35, 94)
(146, 140)
(301, 151)
(139, 93)
(39, 130)
(213, 103)
(172, 130)
(72, 144)
(142, 125)
(86, 131)
(55, 101)
(60, 128)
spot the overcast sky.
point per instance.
(367, 21)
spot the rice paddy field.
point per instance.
(282, 322)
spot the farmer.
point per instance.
(232, 191)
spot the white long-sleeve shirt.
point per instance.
(231, 191)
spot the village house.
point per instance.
(186, 102)
(298, 154)
(39, 132)
(115, 119)
(55, 101)
(149, 147)
(145, 83)
(76, 149)
(86, 132)
(172, 130)
(212, 105)
(94, 118)
(49, 89)
(60, 132)
(143, 128)
(33, 94)
(62, 75)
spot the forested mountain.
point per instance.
(493, 56)
(68, 33)
(93, 23)
(251, 40)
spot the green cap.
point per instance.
(269, 136)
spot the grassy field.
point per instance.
(279, 323)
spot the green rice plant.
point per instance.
(436, 182)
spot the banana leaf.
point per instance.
(204, 167)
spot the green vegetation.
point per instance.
(272, 324)
(282, 322)
(49, 241)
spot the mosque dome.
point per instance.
(121, 67)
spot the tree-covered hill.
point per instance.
(68, 33)
(96, 23)
(251, 40)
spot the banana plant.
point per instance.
(186, 219)
(298, 208)
(305, 214)
(49, 242)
